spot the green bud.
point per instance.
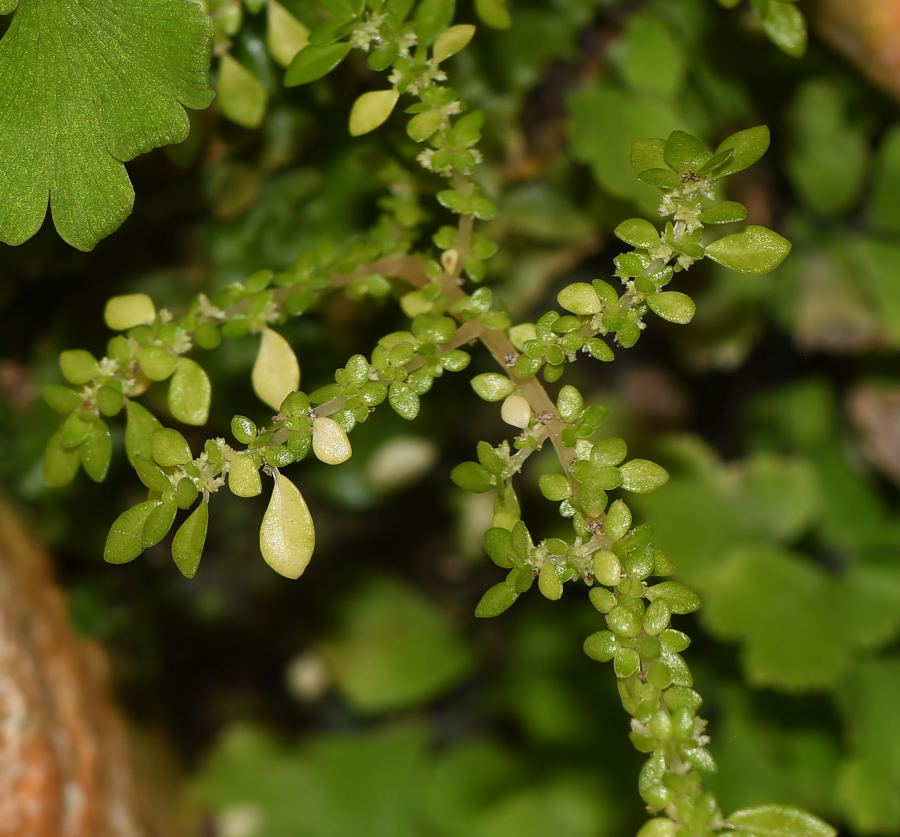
(638, 538)
(618, 520)
(607, 568)
(549, 582)
(169, 448)
(681, 599)
(495, 600)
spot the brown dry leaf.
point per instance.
(876, 412)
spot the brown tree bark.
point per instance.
(65, 767)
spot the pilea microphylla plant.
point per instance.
(607, 551)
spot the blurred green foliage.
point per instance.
(354, 703)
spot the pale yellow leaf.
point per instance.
(286, 35)
(129, 310)
(330, 442)
(287, 536)
(276, 373)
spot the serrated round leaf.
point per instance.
(187, 545)
(96, 451)
(158, 524)
(680, 598)
(313, 62)
(190, 393)
(169, 448)
(125, 539)
(243, 476)
(139, 428)
(495, 600)
(472, 477)
(780, 821)
(371, 110)
(640, 476)
(285, 35)
(85, 87)
(750, 250)
(580, 298)
(276, 372)
(329, 441)
(241, 95)
(287, 536)
(129, 310)
(77, 365)
(60, 464)
(747, 146)
(492, 386)
(672, 306)
(726, 212)
(404, 400)
(638, 233)
(451, 41)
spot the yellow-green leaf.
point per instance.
(190, 392)
(187, 545)
(330, 442)
(285, 35)
(287, 536)
(125, 540)
(243, 476)
(371, 110)
(276, 372)
(242, 97)
(452, 40)
(129, 310)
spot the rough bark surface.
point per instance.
(65, 769)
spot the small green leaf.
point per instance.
(78, 366)
(640, 476)
(472, 477)
(664, 179)
(60, 463)
(169, 448)
(451, 41)
(618, 520)
(492, 386)
(187, 545)
(185, 493)
(681, 599)
(684, 152)
(423, 125)
(786, 27)
(285, 35)
(494, 13)
(371, 110)
(750, 250)
(404, 399)
(638, 233)
(151, 474)
(569, 403)
(433, 17)
(672, 306)
(140, 427)
(648, 154)
(726, 212)
(242, 97)
(86, 87)
(157, 362)
(158, 524)
(498, 546)
(190, 393)
(76, 429)
(495, 600)
(601, 646)
(748, 146)
(110, 400)
(243, 476)
(555, 487)
(128, 311)
(580, 298)
(549, 582)
(780, 821)
(96, 451)
(313, 62)
(62, 399)
(125, 540)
